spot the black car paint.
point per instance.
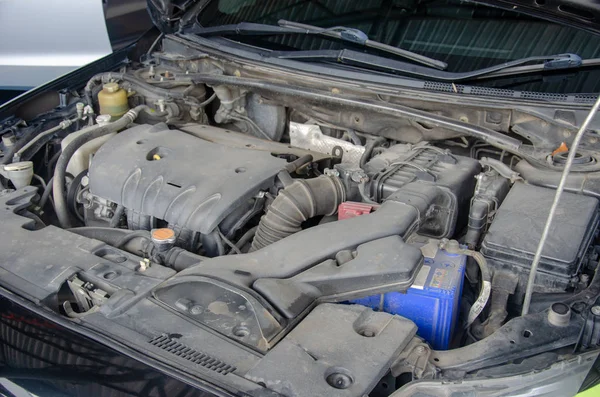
(47, 359)
(22, 331)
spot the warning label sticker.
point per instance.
(439, 279)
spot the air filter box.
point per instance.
(432, 302)
(403, 165)
(512, 239)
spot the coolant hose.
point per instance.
(60, 200)
(46, 194)
(503, 286)
(369, 150)
(116, 218)
(298, 202)
(452, 247)
(176, 257)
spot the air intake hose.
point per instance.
(302, 200)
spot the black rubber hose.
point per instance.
(46, 194)
(72, 194)
(369, 150)
(29, 135)
(112, 237)
(249, 235)
(299, 162)
(176, 257)
(60, 201)
(137, 234)
(52, 163)
(114, 221)
(478, 218)
(180, 259)
(302, 200)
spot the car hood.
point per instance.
(172, 15)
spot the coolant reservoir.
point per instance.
(80, 160)
(113, 100)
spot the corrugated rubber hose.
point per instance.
(298, 202)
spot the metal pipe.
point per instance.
(559, 190)
(62, 126)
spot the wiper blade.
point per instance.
(533, 69)
(359, 37)
(359, 59)
(346, 34)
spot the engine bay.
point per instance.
(271, 249)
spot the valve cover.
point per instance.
(179, 178)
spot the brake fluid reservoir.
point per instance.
(113, 100)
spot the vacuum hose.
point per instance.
(298, 202)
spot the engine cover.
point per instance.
(174, 176)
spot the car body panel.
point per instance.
(76, 34)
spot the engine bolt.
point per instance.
(585, 278)
(339, 380)
(596, 310)
(196, 309)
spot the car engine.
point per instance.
(289, 246)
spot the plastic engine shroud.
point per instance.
(177, 177)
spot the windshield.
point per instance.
(467, 36)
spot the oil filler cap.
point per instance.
(163, 239)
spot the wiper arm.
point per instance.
(359, 59)
(537, 68)
(359, 37)
(346, 34)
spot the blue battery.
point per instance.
(432, 302)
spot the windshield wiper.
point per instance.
(535, 69)
(339, 32)
(376, 62)
(367, 61)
